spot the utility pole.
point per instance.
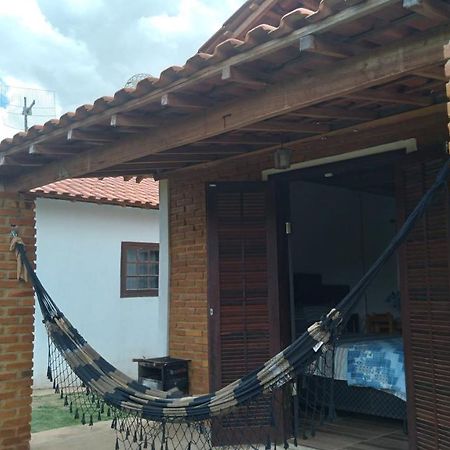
(27, 111)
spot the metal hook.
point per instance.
(14, 233)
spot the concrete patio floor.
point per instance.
(344, 434)
(98, 437)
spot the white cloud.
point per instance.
(190, 15)
(83, 49)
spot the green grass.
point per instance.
(49, 413)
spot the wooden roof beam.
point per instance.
(75, 134)
(437, 10)
(380, 66)
(131, 121)
(235, 75)
(324, 47)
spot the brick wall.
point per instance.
(16, 328)
(188, 331)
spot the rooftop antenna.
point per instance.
(27, 111)
(134, 80)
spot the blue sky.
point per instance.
(83, 49)
(4, 101)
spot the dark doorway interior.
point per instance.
(343, 215)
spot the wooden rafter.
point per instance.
(329, 112)
(383, 96)
(434, 73)
(438, 10)
(184, 158)
(322, 46)
(283, 127)
(183, 101)
(53, 150)
(239, 140)
(131, 121)
(10, 161)
(235, 75)
(89, 136)
(379, 67)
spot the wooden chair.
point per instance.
(380, 323)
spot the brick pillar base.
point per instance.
(16, 327)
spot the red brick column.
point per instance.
(16, 327)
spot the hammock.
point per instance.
(253, 412)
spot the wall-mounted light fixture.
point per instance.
(282, 158)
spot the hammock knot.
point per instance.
(323, 330)
(22, 273)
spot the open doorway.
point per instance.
(342, 217)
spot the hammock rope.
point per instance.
(144, 418)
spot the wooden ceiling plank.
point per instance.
(437, 10)
(365, 71)
(321, 46)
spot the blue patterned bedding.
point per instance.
(378, 364)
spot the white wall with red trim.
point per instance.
(78, 261)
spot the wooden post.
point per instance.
(16, 327)
(447, 74)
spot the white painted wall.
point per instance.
(78, 261)
(335, 229)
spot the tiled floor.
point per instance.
(355, 433)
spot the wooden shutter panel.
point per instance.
(425, 277)
(238, 279)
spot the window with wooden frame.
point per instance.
(139, 269)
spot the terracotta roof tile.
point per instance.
(116, 191)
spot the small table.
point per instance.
(163, 373)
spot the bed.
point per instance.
(369, 376)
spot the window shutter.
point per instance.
(242, 328)
(426, 308)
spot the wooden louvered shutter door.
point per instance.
(243, 330)
(425, 280)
